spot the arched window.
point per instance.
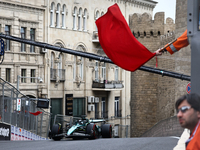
(151, 33)
(96, 71)
(52, 15)
(79, 19)
(79, 64)
(104, 71)
(102, 13)
(60, 71)
(74, 18)
(85, 20)
(52, 60)
(116, 73)
(58, 16)
(52, 70)
(81, 67)
(60, 61)
(63, 16)
(97, 16)
(74, 68)
(145, 33)
(159, 33)
(138, 34)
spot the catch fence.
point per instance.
(24, 116)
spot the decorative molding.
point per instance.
(7, 18)
(21, 7)
(28, 21)
(90, 64)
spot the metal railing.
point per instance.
(23, 117)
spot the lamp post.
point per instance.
(18, 79)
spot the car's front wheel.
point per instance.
(56, 129)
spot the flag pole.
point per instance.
(162, 49)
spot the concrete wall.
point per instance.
(167, 127)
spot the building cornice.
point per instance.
(22, 4)
(148, 3)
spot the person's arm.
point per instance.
(175, 46)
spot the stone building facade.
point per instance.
(74, 85)
(153, 96)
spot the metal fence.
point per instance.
(38, 124)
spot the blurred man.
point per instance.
(188, 114)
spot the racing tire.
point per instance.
(106, 131)
(56, 129)
(92, 130)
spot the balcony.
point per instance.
(95, 37)
(57, 74)
(108, 84)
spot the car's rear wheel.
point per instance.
(106, 131)
(92, 130)
(56, 129)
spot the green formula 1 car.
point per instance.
(81, 128)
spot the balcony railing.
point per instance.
(104, 114)
(107, 84)
(60, 73)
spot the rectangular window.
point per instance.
(23, 76)
(23, 36)
(8, 73)
(7, 43)
(96, 71)
(96, 110)
(116, 73)
(117, 112)
(103, 107)
(32, 37)
(32, 75)
(78, 107)
(104, 71)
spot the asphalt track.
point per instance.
(151, 143)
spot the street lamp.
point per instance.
(18, 79)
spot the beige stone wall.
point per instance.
(71, 37)
(16, 15)
(36, 14)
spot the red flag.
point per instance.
(118, 42)
(36, 113)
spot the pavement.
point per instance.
(181, 143)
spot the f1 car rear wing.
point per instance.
(92, 56)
